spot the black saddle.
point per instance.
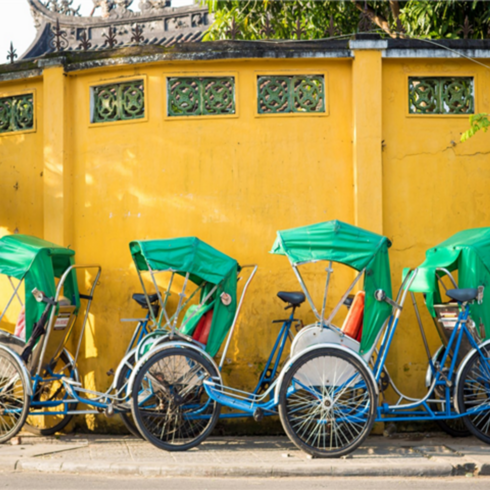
(141, 299)
(295, 299)
(349, 300)
(463, 295)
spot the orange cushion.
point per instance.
(353, 321)
(201, 333)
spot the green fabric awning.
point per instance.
(468, 252)
(204, 264)
(38, 262)
(352, 246)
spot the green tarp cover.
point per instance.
(352, 246)
(204, 263)
(468, 252)
(38, 262)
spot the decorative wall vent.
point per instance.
(16, 113)
(118, 102)
(200, 96)
(441, 95)
(291, 94)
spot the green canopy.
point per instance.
(468, 252)
(204, 264)
(352, 246)
(38, 262)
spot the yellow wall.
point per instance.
(433, 187)
(234, 180)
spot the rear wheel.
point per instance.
(51, 390)
(14, 397)
(473, 392)
(327, 402)
(169, 404)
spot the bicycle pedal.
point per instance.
(109, 411)
(258, 414)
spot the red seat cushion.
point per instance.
(201, 333)
(353, 321)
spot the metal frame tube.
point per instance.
(53, 308)
(342, 299)
(233, 325)
(305, 289)
(327, 283)
(177, 311)
(12, 297)
(15, 291)
(150, 309)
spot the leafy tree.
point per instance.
(307, 19)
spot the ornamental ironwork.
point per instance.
(12, 53)
(118, 102)
(288, 94)
(441, 95)
(16, 113)
(201, 96)
(59, 40)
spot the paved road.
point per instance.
(38, 481)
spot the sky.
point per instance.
(17, 25)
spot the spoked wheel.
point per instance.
(169, 403)
(53, 390)
(14, 397)
(327, 402)
(474, 394)
(121, 387)
(453, 427)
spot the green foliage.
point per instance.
(326, 19)
(478, 122)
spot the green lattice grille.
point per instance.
(16, 113)
(201, 96)
(441, 95)
(118, 102)
(286, 94)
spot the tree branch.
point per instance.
(376, 18)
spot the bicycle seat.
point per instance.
(141, 299)
(462, 295)
(294, 299)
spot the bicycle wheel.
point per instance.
(169, 403)
(453, 427)
(121, 387)
(51, 389)
(327, 402)
(474, 394)
(14, 397)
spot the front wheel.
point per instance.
(169, 403)
(14, 397)
(474, 393)
(327, 402)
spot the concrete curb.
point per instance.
(329, 468)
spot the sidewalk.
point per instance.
(404, 455)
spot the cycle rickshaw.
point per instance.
(39, 379)
(204, 315)
(328, 392)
